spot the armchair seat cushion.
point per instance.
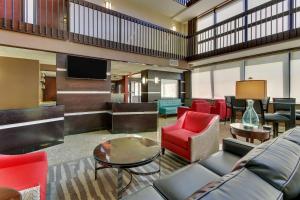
(184, 182)
(221, 162)
(168, 110)
(275, 117)
(179, 137)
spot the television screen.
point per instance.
(86, 68)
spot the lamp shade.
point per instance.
(251, 89)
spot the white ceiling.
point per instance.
(196, 9)
(124, 68)
(165, 7)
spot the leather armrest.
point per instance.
(237, 147)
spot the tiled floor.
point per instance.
(82, 145)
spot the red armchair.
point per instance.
(24, 171)
(193, 137)
(197, 106)
(219, 108)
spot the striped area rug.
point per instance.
(75, 180)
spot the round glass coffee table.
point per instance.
(125, 153)
(238, 129)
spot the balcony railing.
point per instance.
(87, 23)
(83, 22)
(96, 25)
(271, 22)
(39, 17)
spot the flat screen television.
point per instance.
(86, 68)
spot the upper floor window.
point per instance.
(30, 14)
(230, 10)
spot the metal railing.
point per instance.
(87, 23)
(274, 21)
(83, 22)
(96, 25)
(40, 17)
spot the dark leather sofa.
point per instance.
(241, 171)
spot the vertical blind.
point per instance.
(201, 84)
(268, 68)
(169, 88)
(225, 77)
(295, 72)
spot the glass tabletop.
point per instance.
(127, 151)
(241, 127)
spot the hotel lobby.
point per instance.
(149, 100)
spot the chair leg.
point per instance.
(163, 151)
(275, 129)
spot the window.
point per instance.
(205, 21)
(201, 84)
(30, 11)
(230, 10)
(268, 68)
(255, 3)
(225, 79)
(169, 88)
(295, 71)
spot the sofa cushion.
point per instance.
(21, 177)
(241, 184)
(180, 137)
(278, 163)
(293, 135)
(221, 162)
(148, 193)
(196, 121)
(184, 182)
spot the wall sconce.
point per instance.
(108, 4)
(144, 80)
(156, 80)
(173, 28)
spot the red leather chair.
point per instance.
(197, 106)
(219, 108)
(193, 137)
(24, 171)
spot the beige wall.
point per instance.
(10, 38)
(139, 11)
(19, 83)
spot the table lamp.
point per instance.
(251, 90)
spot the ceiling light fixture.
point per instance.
(173, 27)
(108, 4)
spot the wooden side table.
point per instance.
(9, 194)
(238, 129)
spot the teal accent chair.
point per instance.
(168, 106)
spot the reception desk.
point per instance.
(25, 130)
(133, 117)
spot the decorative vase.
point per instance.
(250, 118)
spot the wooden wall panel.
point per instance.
(80, 96)
(83, 102)
(84, 123)
(25, 130)
(70, 84)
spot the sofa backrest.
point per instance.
(241, 184)
(169, 102)
(277, 162)
(197, 121)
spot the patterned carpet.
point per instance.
(75, 180)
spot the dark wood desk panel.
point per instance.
(24, 130)
(134, 117)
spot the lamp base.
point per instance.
(250, 118)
